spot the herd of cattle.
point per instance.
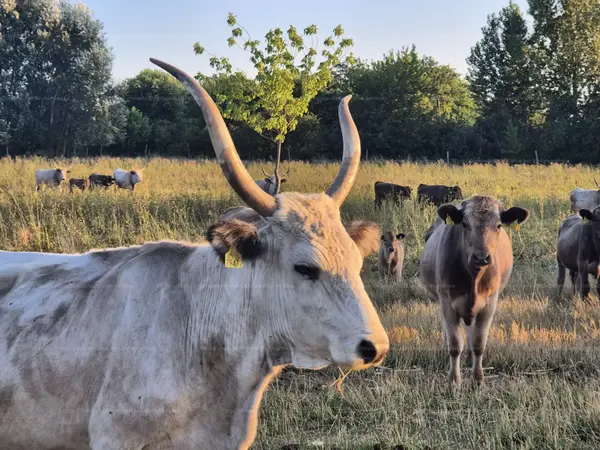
(125, 179)
(171, 345)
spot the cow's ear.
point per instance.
(366, 236)
(400, 236)
(283, 180)
(514, 214)
(450, 211)
(586, 214)
(242, 236)
(267, 179)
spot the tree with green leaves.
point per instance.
(138, 130)
(405, 102)
(288, 77)
(55, 70)
(502, 76)
(168, 108)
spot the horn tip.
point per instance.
(345, 100)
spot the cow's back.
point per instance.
(440, 250)
(432, 193)
(567, 247)
(504, 259)
(57, 319)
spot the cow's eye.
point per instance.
(499, 226)
(465, 225)
(309, 271)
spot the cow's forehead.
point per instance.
(480, 210)
(388, 236)
(315, 219)
(311, 214)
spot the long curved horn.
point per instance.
(596, 182)
(263, 171)
(288, 172)
(231, 164)
(340, 188)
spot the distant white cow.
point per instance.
(127, 179)
(585, 198)
(50, 177)
(172, 345)
(269, 183)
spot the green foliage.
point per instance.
(172, 114)
(288, 77)
(55, 70)
(403, 104)
(502, 77)
(138, 128)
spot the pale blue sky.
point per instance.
(139, 29)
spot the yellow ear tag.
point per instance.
(233, 259)
(585, 220)
(449, 220)
(516, 226)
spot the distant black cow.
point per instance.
(391, 191)
(438, 194)
(578, 250)
(98, 180)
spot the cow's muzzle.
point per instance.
(370, 352)
(480, 259)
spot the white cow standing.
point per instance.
(269, 183)
(50, 177)
(127, 179)
(585, 198)
(171, 345)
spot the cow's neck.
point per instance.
(477, 287)
(232, 347)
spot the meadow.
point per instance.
(542, 363)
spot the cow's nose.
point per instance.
(481, 258)
(367, 351)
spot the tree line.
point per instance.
(528, 89)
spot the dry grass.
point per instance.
(542, 363)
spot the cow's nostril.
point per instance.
(367, 351)
(482, 258)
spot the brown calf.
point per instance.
(81, 183)
(391, 255)
(465, 264)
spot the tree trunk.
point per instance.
(7, 152)
(101, 148)
(277, 177)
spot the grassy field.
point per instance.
(542, 363)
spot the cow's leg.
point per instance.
(477, 335)
(573, 275)
(454, 340)
(560, 280)
(584, 283)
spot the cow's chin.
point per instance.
(303, 361)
